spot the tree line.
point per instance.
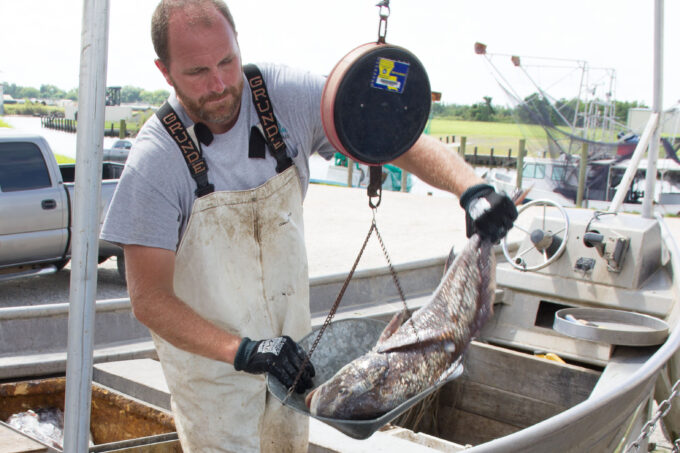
(535, 109)
(128, 94)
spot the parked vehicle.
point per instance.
(36, 208)
(122, 144)
(118, 152)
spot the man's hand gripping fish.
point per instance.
(411, 356)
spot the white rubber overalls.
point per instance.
(242, 265)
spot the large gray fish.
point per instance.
(411, 356)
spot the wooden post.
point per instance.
(474, 159)
(520, 161)
(583, 164)
(492, 160)
(461, 150)
(122, 132)
(350, 171)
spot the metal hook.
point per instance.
(372, 205)
(384, 4)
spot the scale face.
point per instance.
(376, 103)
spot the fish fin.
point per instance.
(409, 337)
(394, 324)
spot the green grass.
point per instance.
(3, 123)
(485, 135)
(459, 128)
(31, 108)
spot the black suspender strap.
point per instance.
(270, 126)
(193, 156)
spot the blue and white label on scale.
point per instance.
(390, 75)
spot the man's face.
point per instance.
(205, 69)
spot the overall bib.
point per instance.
(242, 265)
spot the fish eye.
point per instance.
(343, 391)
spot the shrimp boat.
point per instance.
(583, 340)
(556, 180)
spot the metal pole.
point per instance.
(520, 161)
(83, 290)
(583, 165)
(350, 172)
(628, 175)
(653, 154)
(578, 98)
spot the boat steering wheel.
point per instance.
(549, 245)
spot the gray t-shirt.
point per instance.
(155, 195)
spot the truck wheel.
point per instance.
(120, 264)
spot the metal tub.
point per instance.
(117, 422)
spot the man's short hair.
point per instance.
(161, 18)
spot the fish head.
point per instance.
(355, 390)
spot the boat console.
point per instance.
(559, 258)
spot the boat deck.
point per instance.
(418, 232)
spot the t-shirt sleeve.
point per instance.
(141, 214)
(302, 90)
(320, 142)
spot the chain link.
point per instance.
(395, 278)
(649, 427)
(384, 12)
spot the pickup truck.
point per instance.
(36, 210)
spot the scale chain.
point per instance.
(331, 313)
(395, 277)
(648, 429)
(334, 308)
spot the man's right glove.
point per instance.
(280, 356)
(487, 212)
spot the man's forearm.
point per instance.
(150, 274)
(438, 166)
(177, 323)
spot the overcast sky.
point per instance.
(40, 42)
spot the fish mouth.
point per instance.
(308, 398)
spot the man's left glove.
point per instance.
(280, 356)
(487, 213)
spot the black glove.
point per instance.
(280, 356)
(487, 213)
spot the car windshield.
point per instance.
(122, 144)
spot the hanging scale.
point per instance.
(374, 106)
